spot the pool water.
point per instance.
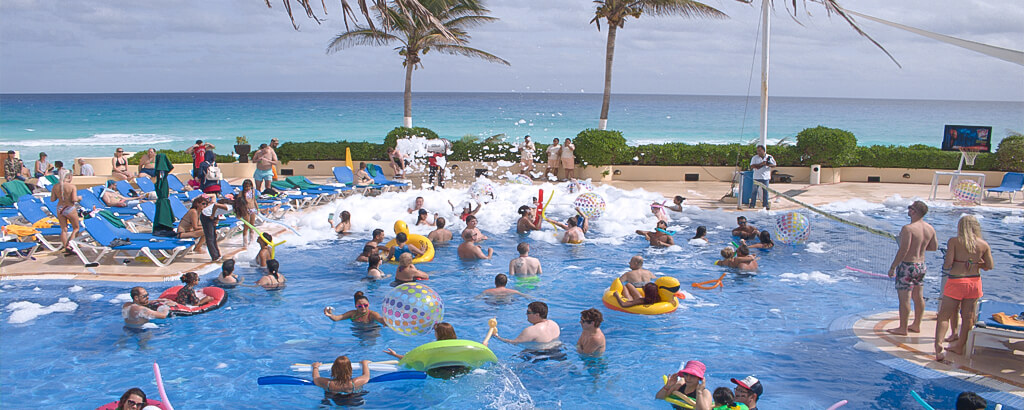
(783, 324)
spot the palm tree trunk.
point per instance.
(409, 65)
(608, 57)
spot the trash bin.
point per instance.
(746, 186)
(815, 174)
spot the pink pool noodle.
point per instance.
(840, 403)
(160, 387)
(878, 275)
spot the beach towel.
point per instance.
(44, 223)
(1009, 320)
(19, 230)
(110, 217)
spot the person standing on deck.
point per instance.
(908, 266)
(761, 164)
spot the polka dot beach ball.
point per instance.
(792, 228)
(412, 309)
(482, 191)
(578, 185)
(520, 179)
(590, 204)
(968, 191)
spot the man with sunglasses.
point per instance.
(540, 331)
(660, 236)
(140, 310)
(745, 230)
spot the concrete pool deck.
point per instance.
(994, 365)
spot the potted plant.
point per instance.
(242, 148)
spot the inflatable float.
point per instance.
(165, 405)
(113, 405)
(445, 353)
(668, 290)
(418, 241)
(218, 295)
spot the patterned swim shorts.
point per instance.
(910, 274)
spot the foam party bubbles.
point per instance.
(968, 191)
(792, 228)
(520, 179)
(577, 185)
(412, 309)
(481, 190)
(590, 204)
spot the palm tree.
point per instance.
(615, 13)
(408, 7)
(417, 35)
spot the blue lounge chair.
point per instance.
(147, 186)
(345, 177)
(32, 210)
(21, 250)
(89, 200)
(1013, 182)
(987, 326)
(378, 176)
(149, 211)
(103, 234)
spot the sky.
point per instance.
(89, 46)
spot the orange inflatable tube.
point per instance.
(714, 283)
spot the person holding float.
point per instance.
(341, 385)
(418, 246)
(685, 388)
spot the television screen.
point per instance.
(967, 136)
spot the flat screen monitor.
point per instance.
(977, 137)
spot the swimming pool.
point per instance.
(775, 324)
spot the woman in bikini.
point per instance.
(273, 279)
(341, 384)
(67, 209)
(361, 314)
(407, 272)
(967, 254)
(189, 227)
(373, 267)
(345, 225)
(245, 208)
(119, 166)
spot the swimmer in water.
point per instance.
(365, 255)
(141, 310)
(421, 218)
(637, 275)
(403, 247)
(361, 314)
(702, 233)
(766, 241)
(341, 381)
(345, 225)
(631, 297)
(264, 254)
(467, 209)
(524, 264)
(499, 289)
(377, 239)
(591, 341)
(440, 235)
(373, 268)
(541, 330)
(442, 331)
(677, 204)
(227, 274)
(273, 279)
(744, 260)
(745, 230)
(660, 236)
(417, 205)
(468, 249)
(573, 234)
(526, 217)
(407, 272)
(471, 223)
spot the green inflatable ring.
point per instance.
(442, 353)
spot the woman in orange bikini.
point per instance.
(966, 255)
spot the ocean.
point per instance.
(72, 125)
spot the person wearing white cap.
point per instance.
(748, 391)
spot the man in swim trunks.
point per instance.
(660, 235)
(745, 230)
(525, 223)
(541, 330)
(265, 159)
(67, 208)
(637, 275)
(524, 264)
(499, 289)
(140, 310)
(591, 341)
(908, 266)
(468, 250)
(111, 197)
(440, 235)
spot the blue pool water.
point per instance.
(783, 324)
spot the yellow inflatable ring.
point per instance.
(665, 284)
(418, 241)
(677, 398)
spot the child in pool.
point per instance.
(724, 400)
(407, 272)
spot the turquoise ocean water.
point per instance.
(69, 125)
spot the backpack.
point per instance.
(213, 173)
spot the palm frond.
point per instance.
(453, 49)
(360, 37)
(469, 21)
(683, 8)
(831, 6)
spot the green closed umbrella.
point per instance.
(164, 223)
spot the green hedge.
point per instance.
(1010, 154)
(402, 132)
(331, 151)
(601, 147)
(178, 157)
(829, 147)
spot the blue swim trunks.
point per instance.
(261, 175)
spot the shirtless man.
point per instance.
(659, 237)
(468, 250)
(499, 289)
(378, 237)
(637, 275)
(908, 266)
(140, 310)
(471, 223)
(573, 234)
(440, 235)
(67, 209)
(525, 223)
(111, 197)
(417, 205)
(265, 159)
(540, 331)
(524, 264)
(591, 341)
(745, 231)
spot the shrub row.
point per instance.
(819, 145)
(177, 157)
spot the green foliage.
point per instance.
(1010, 154)
(827, 146)
(331, 151)
(712, 155)
(601, 147)
(178, 157)
(241, 140)
(488, 152)
(402, 132)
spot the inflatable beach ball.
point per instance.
(412, 309)
(590, 204)
(792, 228)
(577, 185)
(968, 191)
(520, 179)
(482, 191)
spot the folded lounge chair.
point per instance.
(103, 235)
(1013, 182)
(32, 210)
(15, 190)
(21, 250)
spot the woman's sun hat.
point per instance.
(693, 368)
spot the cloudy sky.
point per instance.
(241, 45)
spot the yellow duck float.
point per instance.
(668, 294)
(418, 241)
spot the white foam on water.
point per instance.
(122, 298)
(815, 276)
(221, 365)
(100, 139)
(150, 325)
(75, 288)
(698, 242)
(95, 296)
(855, 204)
(24, 311)
(816, 247)
(1009, 220)
(37, 289)
(8, 286)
